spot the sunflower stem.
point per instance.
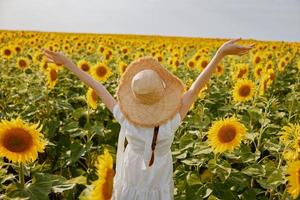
(281, 155)
(216, 155)
(271, 194)
(262, 128)
(284, 194)
(88, 115)
(21, 175)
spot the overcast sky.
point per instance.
(257, 19)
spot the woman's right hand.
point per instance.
(55, 57)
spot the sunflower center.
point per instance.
(191, 64)
(299, 176)
(244, 90)
(124, 68)
(259, 71)
(226, 133)
(272, 76)
(7, 52)
(22, 63)
(85, 67)
(53, 75)
(108, 184)
(265, 84)
(17, 140)
(94, 95)
(257, 60)
(101, 71)
(269, 66)
(219, 68)
(203, 64)
(18, 49)
(45, 65)
(241, 73)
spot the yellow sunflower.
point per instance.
(197, 56)
(92, 97)
(175, 62)
(51, 76)
(20, 142)
(66, 47)
(202, 92)
(187, 85)
(206, 176)
(38, 57)
(226, 134)
(298, 65)
(101, 72)
(258, 71)
(122, 67)
(290, 138)
(289, 133)
(22, 62)
(265, 82)
(90, 48)
(219, 70)
(191, 63)
(84, 65)
(293, 171)
(203, 63)
(269, 65)
(124, 50)
(281, 65)
(159, 57)
(101, 49)
(241, 71)
(271, 74)
(17, 48)
(107, 54)
(44, 65)
(170, 63)
(7, 52)
(243, 90)
(257, 59)
(102, 188)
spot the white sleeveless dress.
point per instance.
(134, 179)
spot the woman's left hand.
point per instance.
(230, 48)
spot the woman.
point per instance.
(151, 105)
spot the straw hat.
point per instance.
(148, 94)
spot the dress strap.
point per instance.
(149, 148)
(125, 143)
(154, 139)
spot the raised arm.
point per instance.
(228, 48)
(101, 91)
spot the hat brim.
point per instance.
(154, 114)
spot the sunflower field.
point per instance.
(239, 140)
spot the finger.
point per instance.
(48, 56)
(48, 60)
(249, 47)
(235, 40)
(49, 52)
(245, 50)
(243, 53)
(244, 47)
